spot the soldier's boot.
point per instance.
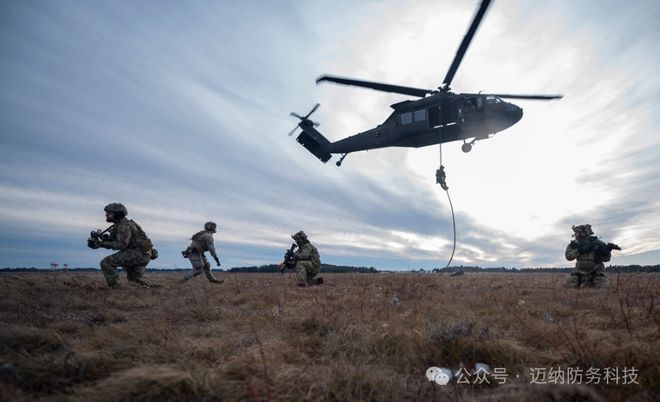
(574, 280)
(134, 274)
(209, 275)
(188, 277)
(195, 272)
(212, 278)
(145, 282)
(148, 283)
(312, 281)
(600, 281)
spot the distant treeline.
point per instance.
(344, 269)
(327, 268)
(609, 269)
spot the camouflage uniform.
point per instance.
(201, 242)
(133, 253)
(590, 254)
(308, 261)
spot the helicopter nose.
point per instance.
(514, 112)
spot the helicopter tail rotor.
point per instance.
(305, 119)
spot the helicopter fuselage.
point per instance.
(433, 120)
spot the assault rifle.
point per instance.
(585, 247)
(97, 236)
(289, 259)
(613, 246)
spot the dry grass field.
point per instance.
(369, 337)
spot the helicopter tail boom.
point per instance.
(314, 141)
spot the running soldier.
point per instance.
(202, 241)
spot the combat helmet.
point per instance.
(210, 226)
(299, 236)
(116, 207)
(583, 230)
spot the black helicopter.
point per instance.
(440, 116)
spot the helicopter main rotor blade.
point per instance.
(531, 97)
(466, 42)
(313, 110)
(376, 85)
(293, 131)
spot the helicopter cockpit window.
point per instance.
(420, 115)
(493, 99)
(406, 118)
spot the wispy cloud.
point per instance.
(180, 111)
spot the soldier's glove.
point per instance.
(106, 244)
(217, 260)
(93, 243)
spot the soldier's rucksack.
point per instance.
(142, 241)
(197, 245)
(197, 235)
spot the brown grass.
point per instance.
(65, 336)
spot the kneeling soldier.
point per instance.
(307, 261)
(135, 249)
(590, 253)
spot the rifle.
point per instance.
(289, 258)
(582, 247)
(613, 246)
(97, 236)
(585, 247)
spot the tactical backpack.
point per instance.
(197, 235)
(143, 242)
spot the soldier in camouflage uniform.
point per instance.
(590, 254)
(202, 241)
(134, 249)
(308, 261)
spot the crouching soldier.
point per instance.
(202, 241)
(134, 248)
(590, 254)
(307, 261)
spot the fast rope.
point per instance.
(440, 178)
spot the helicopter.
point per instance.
(439, 116)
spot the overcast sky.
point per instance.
(180, 110)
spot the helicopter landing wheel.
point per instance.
(338, 163)
(466, 147)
